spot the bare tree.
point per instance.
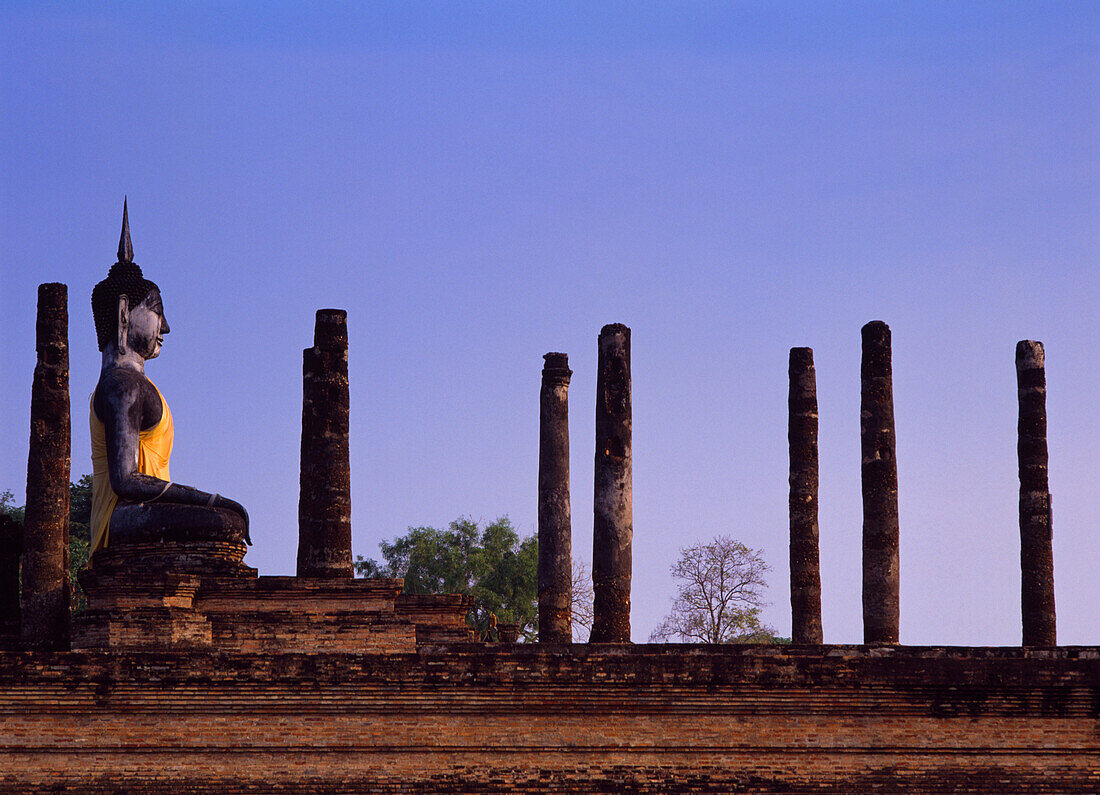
(720, 592)
(581, 601)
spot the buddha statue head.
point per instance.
(126, 306)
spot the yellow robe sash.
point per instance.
(154, 450)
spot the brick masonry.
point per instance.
(499, 718)
(177, 609)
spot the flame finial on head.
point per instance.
(125, 248)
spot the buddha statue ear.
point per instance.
(123, 323)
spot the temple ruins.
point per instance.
(613, 501)
(191, 672)
(45, 543)
(881, 570)
(555, 575)
(802, 440)
(324, 509)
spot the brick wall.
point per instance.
(496, 718)
(160, 610)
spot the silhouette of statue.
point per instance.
(133, 498)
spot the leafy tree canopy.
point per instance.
(7, 506)
(80, 535)
(80, 517)
(491, 564)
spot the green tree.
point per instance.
(80, 517)
(492, 564)
(80, 536)
(720, 593)
(7, 505)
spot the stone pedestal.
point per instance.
(174, 595)
(143, 595)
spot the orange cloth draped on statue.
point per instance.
(154, 450)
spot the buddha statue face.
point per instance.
(127, 308)
(145, 325)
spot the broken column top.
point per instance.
(876, 349)
(876, 328)
(556, 360)
(53, 308)
(557, 364)
(614, 328)
(1029, 354)
(802, 356)
(53, 289)
(331, 330)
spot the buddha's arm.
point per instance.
(123, 413)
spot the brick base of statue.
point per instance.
(167, 594)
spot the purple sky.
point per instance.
(480, 183)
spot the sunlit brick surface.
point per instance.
(500, 718)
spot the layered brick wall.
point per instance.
(131, 609)
(498, 718)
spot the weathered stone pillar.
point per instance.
(46, 590)
(324, 506)
(802, 440)
(555, 525)
(1036, 548)
(613, 506)
(11, 546)
(881, 605)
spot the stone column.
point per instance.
(324, 507)
(880, 489)
(802, 440)
(45, 566)
(1036, 550)
(555, 525)
(11, 546)
(613, 506)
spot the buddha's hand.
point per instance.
(232, 505)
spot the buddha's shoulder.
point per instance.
(123, 384)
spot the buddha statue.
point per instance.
(134, 500)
